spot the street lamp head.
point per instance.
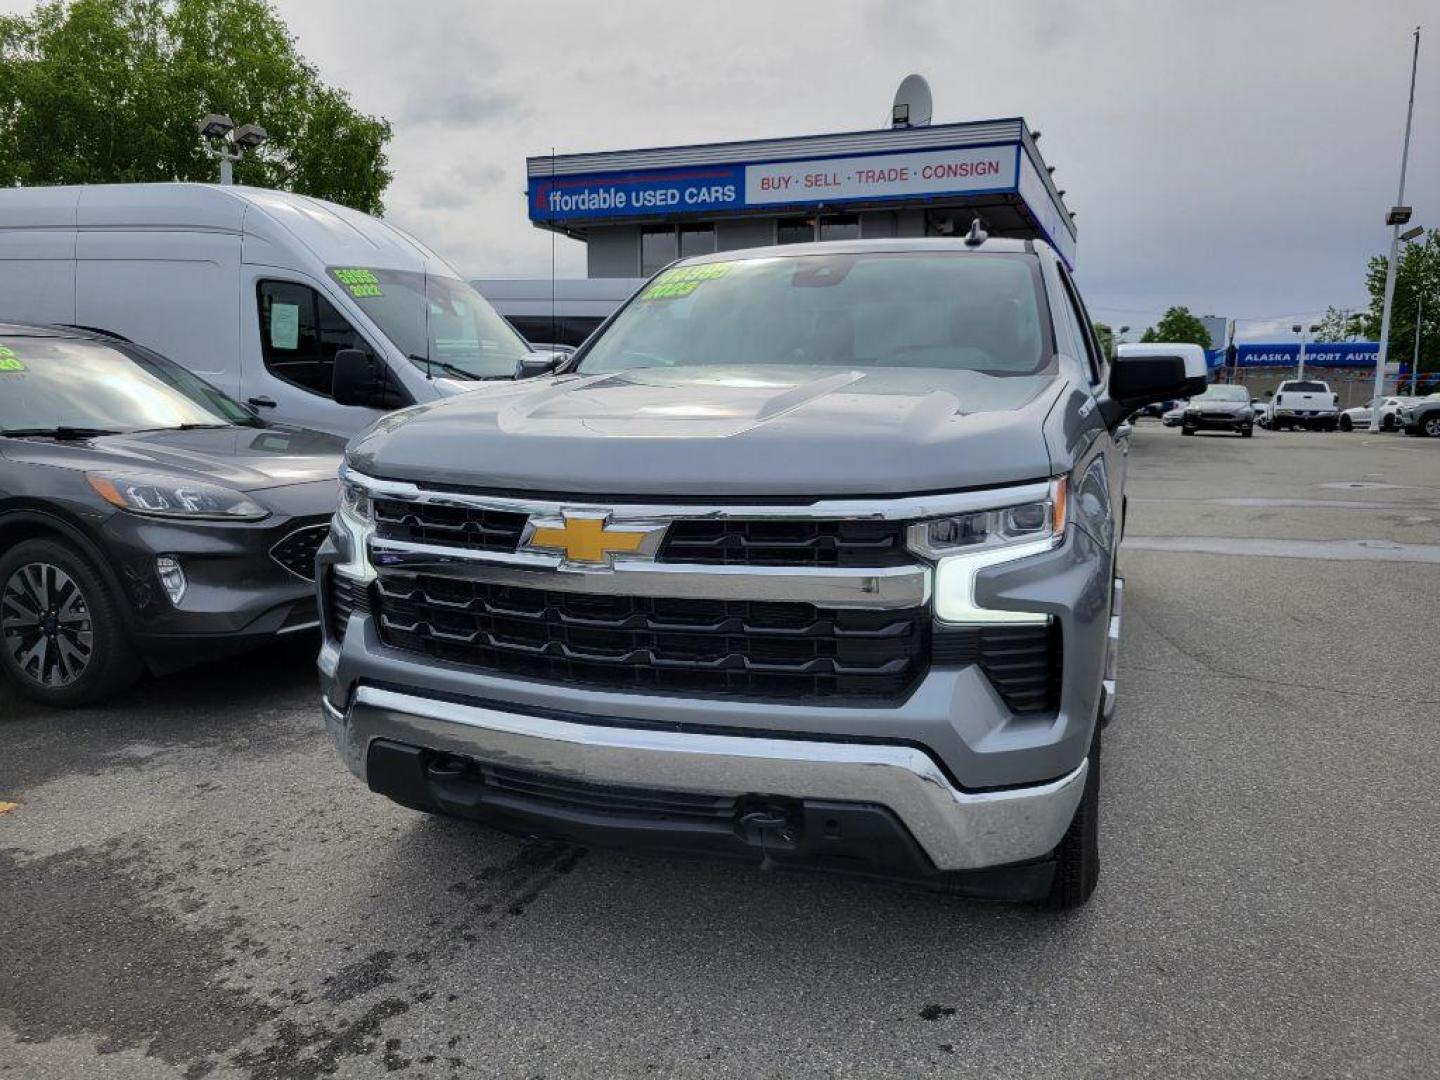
(1411, 234)
(1295, 329)
(1398, 215)
(250, 136)
(1314, 328)
(1124, 329)
(216, 126)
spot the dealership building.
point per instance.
(636, 210)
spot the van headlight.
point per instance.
(964, 544)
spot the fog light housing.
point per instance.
(172, 577)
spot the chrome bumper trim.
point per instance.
(959, 830)
(871, 587)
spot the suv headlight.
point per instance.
(171, 497)
(964, 544)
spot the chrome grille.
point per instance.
(476, 528)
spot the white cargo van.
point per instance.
(256, 291)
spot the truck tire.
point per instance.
(1077, 858)
(63, 640)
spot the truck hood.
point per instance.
(244, 458)
(767, 432)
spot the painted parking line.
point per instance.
(1333, 550)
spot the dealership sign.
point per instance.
(662, 192)
(1336, 354)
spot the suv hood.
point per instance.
(243, 458)
(790, 432)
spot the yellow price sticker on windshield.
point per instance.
(684, 280)
(360, 282)
(9, 361)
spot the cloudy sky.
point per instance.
(1236, 156)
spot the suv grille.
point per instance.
(296, 551)
(1021, 662)
(450, 526)
(786, 543)
(766, 650)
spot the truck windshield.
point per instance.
(48, 383)
(955, 311)
(440, 323)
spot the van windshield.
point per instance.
(950, 311)
(441, 323)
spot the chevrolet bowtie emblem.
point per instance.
(588, 539)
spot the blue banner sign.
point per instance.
(640, 194)
(1328, 354)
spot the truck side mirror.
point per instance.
(1144, 373)
(357, 378)
(539, 362)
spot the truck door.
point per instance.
(292, 333)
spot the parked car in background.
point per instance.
(1219, 408)
(1260, 412)
(147, 520)
(1173, 416)
(256, 291)
(1359, 415)
(1422, 417)
(1305, 403)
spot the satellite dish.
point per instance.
(912, 103)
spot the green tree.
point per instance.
(1106, 337)
(108, 91)
(1337, 325)
(1417, 283)
(1177, 324)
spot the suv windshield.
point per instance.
(953, 311)
(57, 382)
(1224, 393)
(437, 321)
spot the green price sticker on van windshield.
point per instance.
(9, 361)
(683, 280)
(360, 282)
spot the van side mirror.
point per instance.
(1144, 373)
(539, 362)
(357, 378)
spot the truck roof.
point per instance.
(332, 233)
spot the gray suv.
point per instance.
(806, 557)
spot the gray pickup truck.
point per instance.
(808, 556)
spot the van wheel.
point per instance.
(62, 637)
(1077, 858)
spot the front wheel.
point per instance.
(62, 637)
(1187, 431)
(1246, 433)
(1431, 425)
(1346, 424)
(1387, 423)
(1077, 857)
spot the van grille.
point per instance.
(760, 650)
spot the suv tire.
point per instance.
(75, 649)
(1077, 857)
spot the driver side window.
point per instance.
(300, 333)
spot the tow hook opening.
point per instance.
(771, 824)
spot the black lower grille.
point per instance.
(343, 598)
(448, 526)
(733, 542)
(625, 802)
(1023, 663)
(764, 650)
(296, 551)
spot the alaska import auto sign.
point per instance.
(871, 177)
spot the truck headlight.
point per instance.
(168, 496)
(355, 500)
(965, 544)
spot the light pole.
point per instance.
(1399, 215)
(1300, 329)
(223, 140)
(1406, 237)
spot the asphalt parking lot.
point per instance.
(192, 885)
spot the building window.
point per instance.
(794, 231)
(696, 240)
(659, 246)
(840, 227)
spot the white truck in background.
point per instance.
(1305, 403)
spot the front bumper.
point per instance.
(1219, 423)
(955, 829)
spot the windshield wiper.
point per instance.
(63, 431)
(185, 427)
(449, 369)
